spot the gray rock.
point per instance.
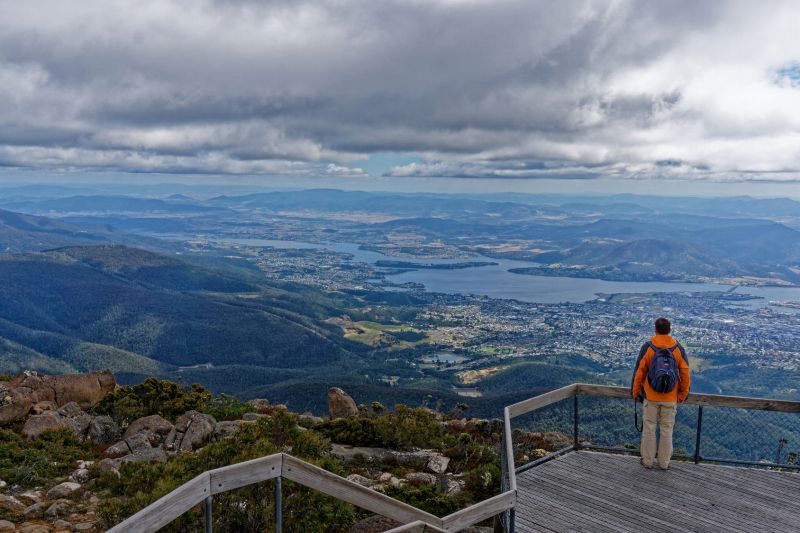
(36, 510)
(83, 526)
(37, 425)
(81, 475)
(12, 502)
(258, 403)
(34, 496)
(138, 441)
(453, 486)
(70, 410)
(5, 525)
(62, 490)
(421, 478)
(340, 404)
(119, 449)
(27, 527)
(41, 407)
(438, 464)
(103, 430)
(80, 424)
(227, 429)
(192, 429)
(109, 465)
(151, 455)
(57, 509)
(62, 524)
(361, 480)
(3, 484)
(309, 420)
(154, 427)
(252, 417)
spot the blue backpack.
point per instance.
(664, 374)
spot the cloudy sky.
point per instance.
(571, 90)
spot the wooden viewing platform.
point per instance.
(591, 491)
(574, 489)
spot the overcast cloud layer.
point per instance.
(514, 89)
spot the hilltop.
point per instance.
(96, 453)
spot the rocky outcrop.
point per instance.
(19, 395)
(340, 404)
(137, 447)
(191, 430)
(154, 427)
(430, 460)
(69, 416)
(103, 430)
(228, 428)
(36, 425)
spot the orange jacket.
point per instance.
(680, 392)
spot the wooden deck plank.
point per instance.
(621, 512)
(652, 489)
(742, 510)
(652, 506)
(590, 491)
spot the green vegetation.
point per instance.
(31, 463)
(246, 509)
(405, 428)
(169, 400)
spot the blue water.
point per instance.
(495, 281)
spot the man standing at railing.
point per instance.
(662, 379)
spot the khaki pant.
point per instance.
(662, 413)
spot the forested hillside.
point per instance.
(139, 312)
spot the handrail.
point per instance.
(713, 400)
(284, 466)
(610, 391)
(700, 400)
(415, 527)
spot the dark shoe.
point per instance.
(663, 469)
(641, 462)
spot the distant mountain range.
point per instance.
(620, 237)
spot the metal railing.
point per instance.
(768, 430)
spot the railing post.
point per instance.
(575, 421)
(278, 506)
(699, 431)
(208, 514)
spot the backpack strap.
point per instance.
(683, 353)
(642, 353)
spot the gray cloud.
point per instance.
(496, 88)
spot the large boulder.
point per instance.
(68, 416)
(135, 448)
(14, 405)
(191, 430)
(228, 428)
(76, 419)
(85, 389)
(154, 427)
(103, 430)
(37, 425)
(22, 392)
(340, 404)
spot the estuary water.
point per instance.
(495, 281)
